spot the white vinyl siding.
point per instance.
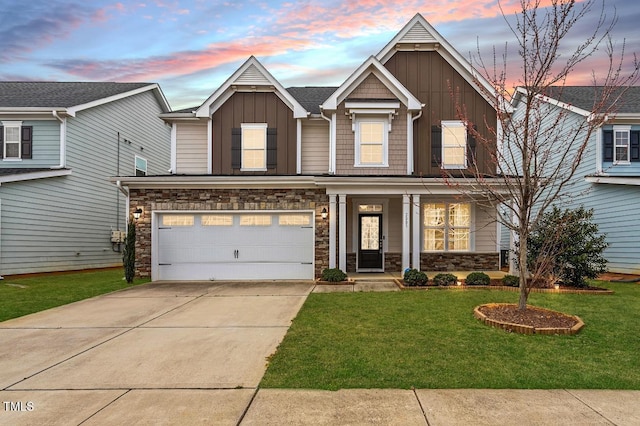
(191, 148)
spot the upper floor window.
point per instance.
(141, 166)
(371, 143)
(621, 142)
(454, 145)
(254, 146)
(16, 140)
(447, 226)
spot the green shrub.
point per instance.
(445, 279)
(511, 281)
(477, 278)
(413, 277)
(333, 275)
(566, 246)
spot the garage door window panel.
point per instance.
(255, 220)
(177, 220)
(294, 220)
(217, 220)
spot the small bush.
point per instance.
(445, 280)
(477, 278)
(413, 277)
(511, 281)
(333, 275)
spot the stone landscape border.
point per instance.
(565, 290)
(526, 329)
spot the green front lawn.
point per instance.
(22, 296)
(430, 339)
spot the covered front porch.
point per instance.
(390, 224)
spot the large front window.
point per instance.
(454, 145)
(447, 226)
(254, 146)
(371, 143)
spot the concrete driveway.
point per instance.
(161, 353)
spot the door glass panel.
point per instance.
(370, 235)
(370, 208)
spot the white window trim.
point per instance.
(447, 227)
(11, 124)
(264, 151)
(135, 165)
(385, 141)
(627, 130)
(451, 124)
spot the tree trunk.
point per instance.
(522, 264)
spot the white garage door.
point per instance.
(234, 246)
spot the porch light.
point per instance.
(324, 213)
(137, 213)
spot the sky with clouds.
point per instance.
(191, 47)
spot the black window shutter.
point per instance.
(236, 148)
(607, 145)
(436, 146)
(1, 142)
(471, 146)
(272, 143)
(635, 145)
(26, 139)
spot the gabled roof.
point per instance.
(69, 96)
(311, 97)
(418, 34)
(252, 75)
(372, 66)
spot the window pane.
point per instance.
(371, 132)
(371, 154)
(433, 239)
(622, 153)
(255, 220)
(454, 143)
(459, 239)
(294, 220)
(253, 138)
(253, 159)
(434, 214)
(459, 215)
(216, 220)
(177, 220)
(12, 134)
(370, 207)
(12, 150)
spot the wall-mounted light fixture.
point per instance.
(324, 213)
(137, 213)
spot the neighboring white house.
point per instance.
(60, 143)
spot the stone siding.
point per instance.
(460, 261)
(227, 199)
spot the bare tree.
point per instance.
(540, 146)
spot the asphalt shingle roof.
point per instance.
(584, 96)
(311, 97)
(47, 94)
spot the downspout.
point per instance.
(331, 142)
(413, 120)
(63, 140)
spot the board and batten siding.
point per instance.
(191, 148)
(315, 147)
(46, 144)
(65, 223)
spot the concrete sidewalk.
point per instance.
(194, 353)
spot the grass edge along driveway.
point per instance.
(430, 339)
(28, 294)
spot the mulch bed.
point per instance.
(532, 320)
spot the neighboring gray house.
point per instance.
(608, 180)
(60, 142)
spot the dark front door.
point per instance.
(370, 241)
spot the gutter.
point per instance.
(410, 147)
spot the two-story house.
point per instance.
(275, 183)
(608, 177)
(59, 144)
